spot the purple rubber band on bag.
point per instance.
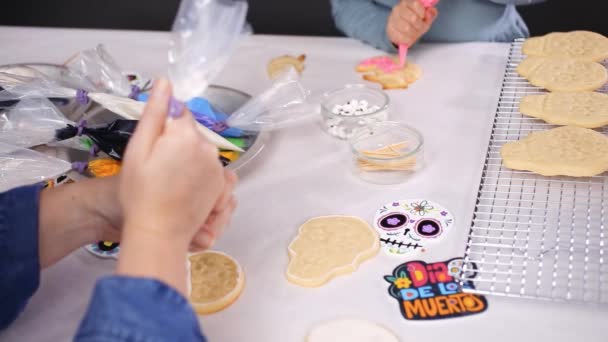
(216, 126)
(81, 126)
(175, 108)
(82, 96)
(220, 127)
(94, 150)
(80, 166)
(135, 91)
(205, 121)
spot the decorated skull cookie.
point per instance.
(411, 225)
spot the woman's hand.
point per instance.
(408, 21)
(171, 185)
(73, 215)
(219, 217)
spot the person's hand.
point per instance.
(171, 177)
(219, 217)
(171, 181)
(408, 21)
(73, 215)
(105, 214)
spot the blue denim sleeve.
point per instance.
(19, 260)
(138, 309)
(364, 20)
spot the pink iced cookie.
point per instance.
(385, 63)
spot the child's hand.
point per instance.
(408, 21)
(171, 180)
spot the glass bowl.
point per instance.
(387, 152)
(344, 125)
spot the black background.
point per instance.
(299, 17)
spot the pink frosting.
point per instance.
(387, 64)
(429, 3)
(384, 63)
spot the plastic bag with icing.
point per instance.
(20, 166)
(36, 121)
(99, 68)
(204, 35)
(31, 122)
(285, 103)
(16, 87)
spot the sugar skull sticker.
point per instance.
(411, 225)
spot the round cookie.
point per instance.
(350, 330)
(215, 281)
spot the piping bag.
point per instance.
(204, 35)
(285, 103)
(403, 48)
(20, 166)
(36, 121)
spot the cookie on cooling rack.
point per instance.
(583, 45)
(563, 151)
(583, 109)
(563, 74)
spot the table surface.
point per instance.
(303, 173)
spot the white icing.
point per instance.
(350, 330)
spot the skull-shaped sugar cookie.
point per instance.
(329, 246)
(411, 225)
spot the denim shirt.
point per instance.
(458, 21)
(121, 309)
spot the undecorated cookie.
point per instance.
(280, 64)
(215, 281)
(563, 74)
(329, 246)
(350, 330)
(385, 71)
(583, 45)
(563, 151)
(584, 109)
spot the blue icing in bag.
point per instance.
(204, 113)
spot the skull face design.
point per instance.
(411, 225)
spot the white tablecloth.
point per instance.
(303, 173)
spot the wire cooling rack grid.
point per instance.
(534, 236)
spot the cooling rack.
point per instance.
(533, 236)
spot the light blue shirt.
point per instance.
(458, 21)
